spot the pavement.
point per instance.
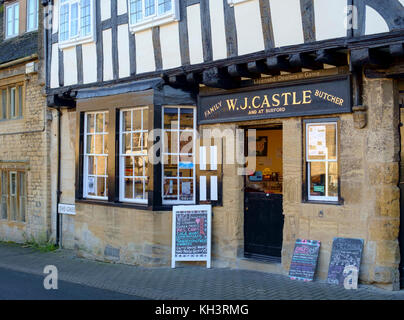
(181, 283)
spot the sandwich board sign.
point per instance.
(191, 234)
(304, 260)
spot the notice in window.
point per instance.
(317, 141)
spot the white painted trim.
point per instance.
(155, 20)
(234, 2)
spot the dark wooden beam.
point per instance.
(276, 64)
(373, 58)
(304, 60)
(258, 67)
(194, 78)
(219, 78)
(241, 70)
(397, 50)
(332, 57)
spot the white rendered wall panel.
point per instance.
(54, 74)
(374, 22)
(105, 6)
(287, 22)
(70, 66)
(195, 34)
(123, 51)
(122, 6)
(170, 45)
(219, 47)
(330, 19)
(55, 16)
(89, 63)
(249, 28)
(145, 51)
(107, 54)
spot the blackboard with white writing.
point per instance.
(191, 233)
(304, 260)
(345, 252)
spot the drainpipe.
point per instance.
(58, 191)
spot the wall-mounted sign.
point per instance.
(191, 234)
(326, 96)
(67, 208)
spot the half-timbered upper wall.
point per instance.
(204, 31)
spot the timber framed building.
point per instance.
(318, 81)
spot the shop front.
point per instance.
(277, 160)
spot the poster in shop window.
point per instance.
(191, 234)
(317, 142)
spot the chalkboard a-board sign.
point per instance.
(304, 260)
(191, 234)
(345, 252)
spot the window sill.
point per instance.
(156, 21)
(72, 43)
(340, 202)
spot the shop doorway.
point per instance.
(263, 196)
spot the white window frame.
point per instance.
(122, 157)
(76, 40)
(164, 154)
(15, 31)
(326, 161)
(86, 155)
(156, 19)
(32, 15)
(233, 2)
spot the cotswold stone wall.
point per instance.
(370, 209)
(24, 144)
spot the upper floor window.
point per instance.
(148, 13)
(32, 15)
(11, 102)
(12, 20)
(76, 20)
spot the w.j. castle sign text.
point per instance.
(326, 96)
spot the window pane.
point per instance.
(128, 187)
(149, 8)
(136, 142)
(139, 193)
(170, 118)
(4, 104)
(128, 166)
(90, 144)
(12, 103)
(90, 123)
(164, 6)
(323, 181)
(101, 166)
(4, 193)
(16, 19)
(64, 22)
(137, 119)
(22, 196)
(135, 9)
(186, 118)
(13, 196)
(186, 142)
(10, 24)
(322, 142)
(186, 189)
(20, 101)
(145, 119)
(186, 168)
(170, 189)
(74, 20)
(91, 165)
(126, 116)
(85, 17)
(171, 167)
(100, 122)
(101, 187)
(171, 142)
(99, 143)
(126, 143)
(32, 14)
(140, 165)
